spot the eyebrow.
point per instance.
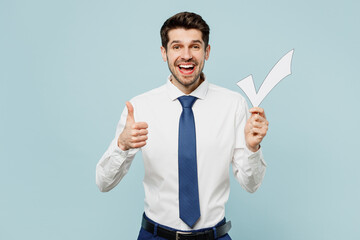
(178, 41)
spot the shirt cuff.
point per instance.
(124, 154)
(121, 152)
(255, 157)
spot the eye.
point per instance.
(196, 47)
(176, 47)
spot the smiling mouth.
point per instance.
(186, 69)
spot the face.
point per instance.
(185, 55)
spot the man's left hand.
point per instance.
(255, 128)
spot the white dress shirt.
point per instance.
(220, 116)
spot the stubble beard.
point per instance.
(177, 78)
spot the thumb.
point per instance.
(257, 110)
(130, 116)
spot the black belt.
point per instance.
(179, 235)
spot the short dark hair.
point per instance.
(186, 20)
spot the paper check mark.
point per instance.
(281, 70)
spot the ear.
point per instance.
(163, 53)
(207, 52)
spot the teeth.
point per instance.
(186, 66)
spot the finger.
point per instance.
(138, 132)
(134, 132)
(143, 132)
(139, 139)
(138, 144)
(259, 131)
(256, 124)
(258, 110)
(257, 118)
(140, 125)
(130, 116)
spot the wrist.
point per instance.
(121, 146)
(253, 148)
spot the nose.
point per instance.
(186, 54)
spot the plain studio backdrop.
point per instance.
(67, 68)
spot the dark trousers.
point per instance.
(145, 235)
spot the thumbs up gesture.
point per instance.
(134, 134)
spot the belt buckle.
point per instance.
(177, 236)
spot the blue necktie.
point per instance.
(189, 206)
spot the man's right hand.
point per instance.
(134, 134)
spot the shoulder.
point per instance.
(150, 95)
(230, 101)
(225, 94)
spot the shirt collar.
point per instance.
(199, 92)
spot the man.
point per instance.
(189, 131)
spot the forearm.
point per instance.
(113, 166)
(249, 168)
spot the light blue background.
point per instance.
(67, 67)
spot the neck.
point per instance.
(190, 88)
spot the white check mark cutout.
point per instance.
(281, 70)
